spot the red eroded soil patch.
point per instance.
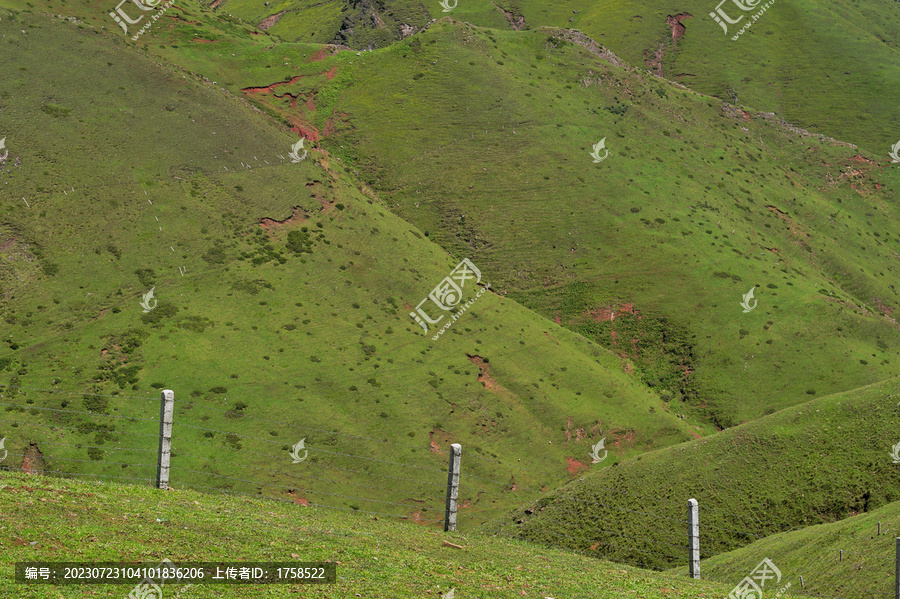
(433, 445)
(329, 50)
(319, 54)
(33, 460)
(299, 216)
(270, 21)
(416, 516)
(297, 115)
(485, 377)
(517, 23)
(575, 466)
(628, 438)
(675, 25)
(270, 88)
(298, 499)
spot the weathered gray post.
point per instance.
(693, 538)
(897, 570)
(166, 410)
(452, 488)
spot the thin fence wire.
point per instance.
(29, 407)
(80, 393)
(262, 484)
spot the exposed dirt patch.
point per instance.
(886, 310)
(579, 433)
(433, 445)
(675, 25)
(216, 3)
(627, 438)
(574, 466)
(576, 37)
(323, 199)
(516, 22)
(329, 50)
(296, 114)
(299, 216)
(268, 89)
(298, 499)
(485, 377)
(654, 58)
(270, 21)
(792, 225)
(417, 517)
(33, 460)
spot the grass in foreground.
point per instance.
(88, 521)
(847, 559)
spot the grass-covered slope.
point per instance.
(49, 519)
(830, 67)
(809, 464)
(483, 139)
(865, 570)
(284, 295)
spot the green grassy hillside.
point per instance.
(284, 295)
(482, 140)
(864, 570)
(830, 67)
(650, 251)
(815, 463)
(48, 519)
(611, 286)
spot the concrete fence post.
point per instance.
(166, 410)
(452, 488)
(693, 538)
(897, 571)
